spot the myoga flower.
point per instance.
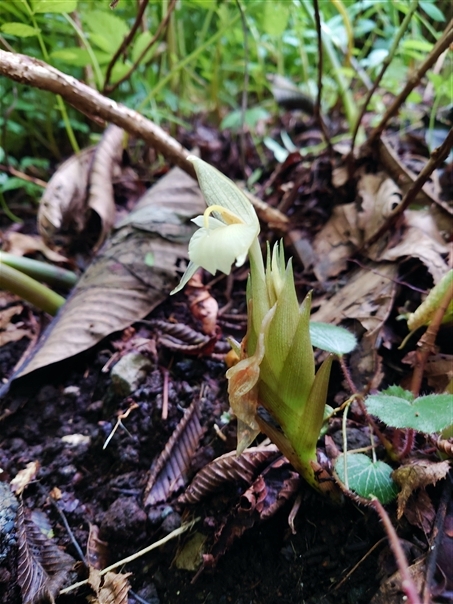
(228, 228)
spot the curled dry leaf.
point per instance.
(97, 550)
(111, 588)
(202, 305)
(134, 272)
(24, 477)
(62, 205)
(83, 183)
(416, 475)
(106, 158)
(228, 468)
(42, 567)
(170, 471)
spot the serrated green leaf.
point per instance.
(428, 414)
(54, 6)
(332, 338)
(21, 30)
(367, 478)
(399, 392)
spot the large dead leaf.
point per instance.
(352, 224)
(133, 273)
(42, 567)
(170, 471)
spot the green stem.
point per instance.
(28, 289)
(60, 102)
(54, 275)
(169, 77)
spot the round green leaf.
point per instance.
(332, 338)
(431, 413)
(21, 30)
(367, 478)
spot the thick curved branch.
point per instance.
(39, 74)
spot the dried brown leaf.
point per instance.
(20, 244)
(420, 239)
(42, 567)
(62, 205)
(415, 475)
(228, 468)
(170, 471)
(420, 511)
(202, 305)
(97, 550)
(111, 588)
(134, 273)
(107, 156)
(336, 242)
(24, 477)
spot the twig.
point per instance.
(317, 108)
(407, 582)
(356, 566)
(245, 85)
(437, 157)
(441, 45)
(23, 176)
(182, 529)
(388, 59)
(437, 535)
(162, 25)
(124, 44)
(39, 74)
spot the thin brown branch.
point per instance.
(245, 87)
(437, 157)
(317, 109)
(125, 43)
(23, 176)
(407, 583)
(441, 45)
(388, 59)
(39, 74)
(162, 25)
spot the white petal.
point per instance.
(219, 248)
(190, 272)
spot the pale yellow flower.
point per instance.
(228, 227)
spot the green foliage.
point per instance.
(400, 409)
(332, 338)
(365, 477)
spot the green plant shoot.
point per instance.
(276, 367)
